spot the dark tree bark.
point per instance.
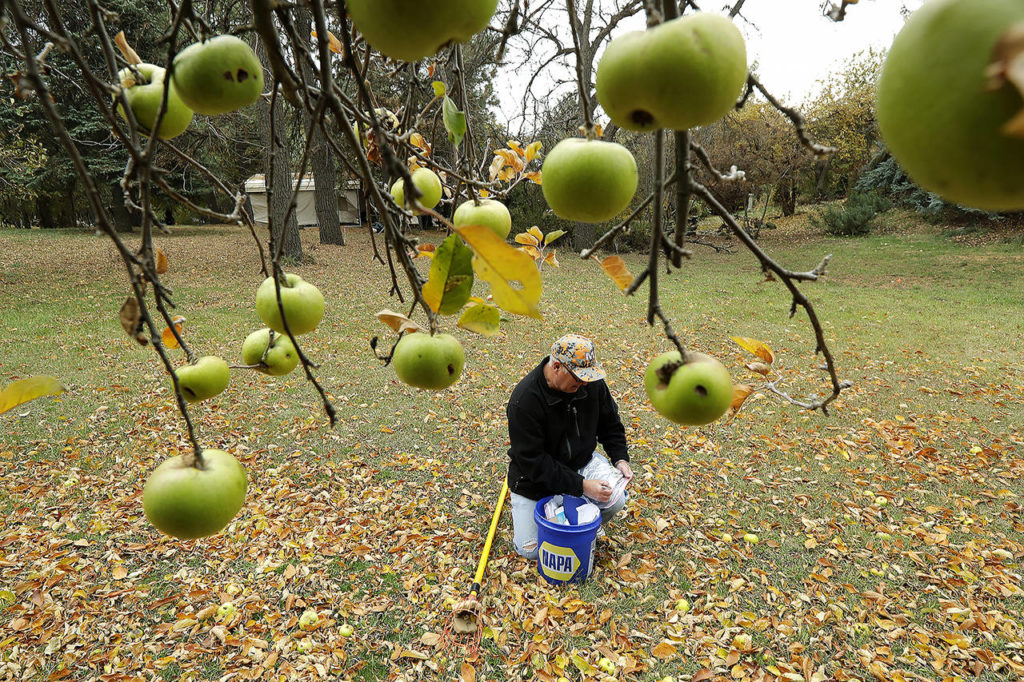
(44, 209)
(787, 197)
(277, 172)
(118, 211)
(325, 194)
(70, 217)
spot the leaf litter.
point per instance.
(890, 548)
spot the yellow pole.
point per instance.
(490, 538)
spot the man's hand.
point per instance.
(623, 466)
(597, 490)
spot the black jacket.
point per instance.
(552, 434)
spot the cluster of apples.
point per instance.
(213, 77)
(189, 499)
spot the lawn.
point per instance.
(891, 532)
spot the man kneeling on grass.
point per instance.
(556, 416)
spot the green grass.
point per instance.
(379, 520)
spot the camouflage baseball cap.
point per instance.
(578, 355)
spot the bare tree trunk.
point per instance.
(276, 159)
(118, 211)
(325, 194)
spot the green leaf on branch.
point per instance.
(450, 281)
(481, 318)
(515, 281)
(454, 121)
(24, 390)
(439, 88)
(552, 236)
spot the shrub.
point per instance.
(854, 218)
(889, 179)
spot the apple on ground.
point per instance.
(409, 30)
(304, 645)
(684, 73)
(272, 353)
(606, 665)
(308, 619)
(751, 538)
(303, 305)
(205, 379)
(226, 611)
(694, 392)
(217, 76)
(947, 107)
(144, 98)
(682, 605)
(488, 212)
(431, 362)
(726, 537)
(427, 182)
(188, 502)
(590, 181)
(346, 630)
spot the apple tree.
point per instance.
(348, 67)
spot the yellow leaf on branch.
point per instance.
(333, 44)
(167, 337)
(397, 321)
(616, 268)
(758, 348)
(528, 239)
(515, 281)
(24, 390)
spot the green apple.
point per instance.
(426, 182)
(304, 645)
(682, 605)
(205, 379)
(303, 304)
(606, 665)
(187, 502)
(589, 180)
(409, 30)
(696, 392)
(308, 619)
(220, 75)
(346, 630)
(278, 360)
(939, 116)
(683, 73)
(425, 361)
(144, 98)
(751, 538)
(226, 611)
(726, 537)
(489, 212)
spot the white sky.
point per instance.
(793, 44)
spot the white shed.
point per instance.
(348, 201)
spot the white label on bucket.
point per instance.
(558, 563)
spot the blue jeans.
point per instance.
(524, 534)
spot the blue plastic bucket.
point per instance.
(566, 552)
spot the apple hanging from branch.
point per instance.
(144, 90)
(187, 500)
(268, 352)
(694, 392)
(589, 180)
(208, 377)
(409, 30)
(430, 362)
(220, 75)
(302, 302)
